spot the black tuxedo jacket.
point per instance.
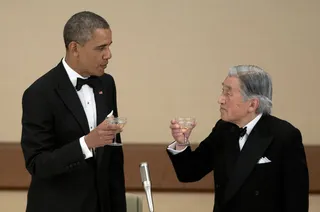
(53, 121)
(241, 183)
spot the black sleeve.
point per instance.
(295, 177)
(42, 157)
(191, 166)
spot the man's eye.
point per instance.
(225, 92)
(101, 48)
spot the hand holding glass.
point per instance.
(120, 122)
(186, 124)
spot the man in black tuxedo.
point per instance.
(258, 160)
(65, 135)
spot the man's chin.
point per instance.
(96, 74)
(100, 72)
(223, 117)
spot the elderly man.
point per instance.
(258, 160)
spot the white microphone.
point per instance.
(144, 172)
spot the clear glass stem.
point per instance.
(114, 143)
(186, 141)
(115, 139)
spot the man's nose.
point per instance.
(107, 55)
(221, 99)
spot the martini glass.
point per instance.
(120, 122)
(186, 124)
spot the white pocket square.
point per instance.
(264, 160)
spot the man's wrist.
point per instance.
(181, 146)
(87, 141)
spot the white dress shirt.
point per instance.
(86, 97)
(242, 140)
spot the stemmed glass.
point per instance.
(187, 124)
(120, 122)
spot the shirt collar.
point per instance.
(252, 123)
(72, 74)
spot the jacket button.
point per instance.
(217, 185)
(256, 193)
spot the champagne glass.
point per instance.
(120, 122)
(187, 124)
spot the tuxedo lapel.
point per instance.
(69, 96)
(252, 151)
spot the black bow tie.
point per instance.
(242, 131)
(91, 81)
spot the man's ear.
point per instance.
(254, 104)
(73, 48)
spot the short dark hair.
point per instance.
(80, 26)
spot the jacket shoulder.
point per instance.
(280, 124)
(107, 79)
(44, 82)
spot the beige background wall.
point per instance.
(169, 59)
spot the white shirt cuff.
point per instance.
(85, 150)
(172, 149)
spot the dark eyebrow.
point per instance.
(228, 87)
(101, 46)
(104, 45)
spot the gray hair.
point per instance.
(80, 27)
(254, 83)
